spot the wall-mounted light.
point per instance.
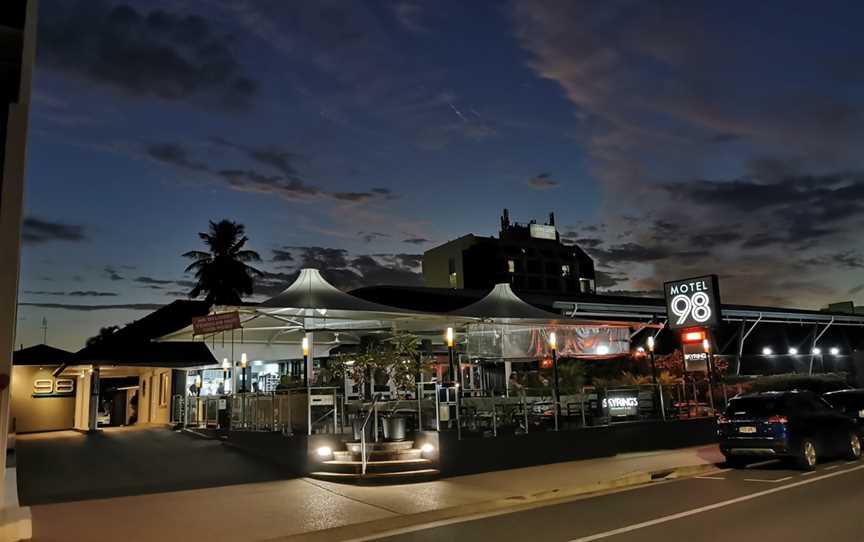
(449, 337)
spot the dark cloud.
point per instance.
(91, 293)
(72, 307)
(286, 184)
(37, 231)
(605, 280)
(544, 181)
(846, 260)
(144, 53)
(112, 274)
(280, 159)
(416, 240)
(370, 236)
(711, 238)
(632, 252)
(152, 281)
(282, 256)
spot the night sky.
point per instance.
(670, 138)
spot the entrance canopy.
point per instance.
(502, 305)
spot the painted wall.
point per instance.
(154, 402)
(31, 414)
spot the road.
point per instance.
(761, 502)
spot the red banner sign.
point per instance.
(214, 323)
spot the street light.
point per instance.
(243, 362)
(450, 359)
(817, 351)
(793, 351)
(304, 344)
(834, 351)
(198, 384)
(767, 351)
(553, 344)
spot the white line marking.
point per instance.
(694, 511)
(850, 462)
(809, 473)
(777, 481)
(710, 478)
(832, 467)
(763, 463)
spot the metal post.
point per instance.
(335, 412)
(437, 408)
(556, 390)
(654, 379)
(662, 406)
(375, 407)
(308, 410)
(524, 411)
(451, 363)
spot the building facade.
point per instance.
(530, 257)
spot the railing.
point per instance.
(373, 408)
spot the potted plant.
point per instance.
(404, 363)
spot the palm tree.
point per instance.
(223, 273)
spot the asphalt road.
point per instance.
(759, 503)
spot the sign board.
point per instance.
(695, 358)
(622, 403)
(693, 302)
(53, 387)
(542, 231)
(214, 323)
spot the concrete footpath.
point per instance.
(305, 509)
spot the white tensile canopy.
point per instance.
(501, 304)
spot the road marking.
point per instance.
(809, 473)
(710, 478)
(763, 463)
(851, 462)
(777, 481)
(832, 467)
(708, 508)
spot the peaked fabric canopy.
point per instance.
(311, 295)
(502, 304)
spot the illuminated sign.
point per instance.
(53, 387)
(622, 403)
(542, 231)
(695, 358)
(693, 302)
(213, 323)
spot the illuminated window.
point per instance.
(565, 270)
(453, 280)
(511, 266)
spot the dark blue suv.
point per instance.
(797, 425)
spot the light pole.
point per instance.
(450, 354)
(243, 362)
(225, 367)
(553, 344)
(706, 345)
(305, 345)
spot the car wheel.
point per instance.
(806, 458)
(735, 462)
(853, 450)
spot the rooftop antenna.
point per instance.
(44, 330)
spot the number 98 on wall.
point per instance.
(693, 302)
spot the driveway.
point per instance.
(71, 466)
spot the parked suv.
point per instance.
(851, 403)
(799, 425)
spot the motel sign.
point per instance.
(693, 303)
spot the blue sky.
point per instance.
(670, 139)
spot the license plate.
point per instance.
(747, 429)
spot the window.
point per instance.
(453, 281)
(163, 389)
(511, 266)
(565, 270)
(586, 286)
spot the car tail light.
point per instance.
(722, 420)
(778, 419)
